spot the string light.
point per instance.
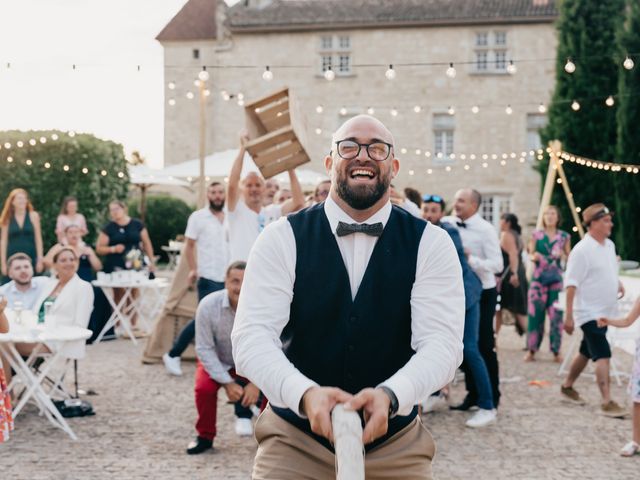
(190, 95)
(569, 67)
(318, 131)
(329, 74)
(54, 136)
(9, 159)
(390, 73)
(628, 63)
(417, 109)
(475, 109)
(267, 75)
(103, 173)
(85, 170)
(32, 142)
(171, 85)
(47, 165)
(19, 144)
(203, 75)
(609, 102)
(370, 111)
(394, 112)
(451, 111)
(120, 174)
(172, 101)
(508, 110)
(207, 92)
(71, 134)
(225, 95)
(343, 111)
(451, 71)
(511, 68)
(43, 139)
(29, 162)
(65, 168)
(575, 106)
(7, 145)
(542, 108)
(319, 109)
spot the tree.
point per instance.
(628, 147)
(587, 34)
(51, 165)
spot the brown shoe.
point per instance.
(612, 409)
(571, 395)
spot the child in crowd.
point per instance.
(633, 447)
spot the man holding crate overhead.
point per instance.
(368, 302)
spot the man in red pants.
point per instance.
(214, 321)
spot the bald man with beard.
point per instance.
(368, 302)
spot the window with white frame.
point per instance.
(335, 53)
(490, 51)
(493, 206)
(535, 121)
(443, 131)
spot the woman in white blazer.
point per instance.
(70, 299)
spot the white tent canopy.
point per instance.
(143, 175)
(218, 166)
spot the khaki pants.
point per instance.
(287, 453)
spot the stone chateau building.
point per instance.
(470, 129)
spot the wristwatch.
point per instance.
(393, 404)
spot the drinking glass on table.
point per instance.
(18, 308)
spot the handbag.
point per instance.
(549, 276)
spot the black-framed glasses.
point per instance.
(350, 149)
(432, 199)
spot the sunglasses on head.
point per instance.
(432, 198)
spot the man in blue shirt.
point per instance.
(433, 209)
(23, 290)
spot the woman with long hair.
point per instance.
(21, 230)
(513, 280)
(69, 215)
(547, 248)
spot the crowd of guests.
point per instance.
(56, 285)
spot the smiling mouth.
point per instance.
(362, 174)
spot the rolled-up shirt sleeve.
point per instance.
(437, 322)
(263, 312)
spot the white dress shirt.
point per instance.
(212, 248)
(480, 238)
(592, 268)
(244, 227)
(29, 297)
(437, 311)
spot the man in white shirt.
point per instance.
(24, 290)
(246, 214)
(482, 247)
(271, 187)
(325, 284)
(206, 236)
(593, 288)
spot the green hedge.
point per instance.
(25, 166)
(166, 217)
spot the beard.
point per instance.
(216, 206)
(361, 197)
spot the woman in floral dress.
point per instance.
(547, 247)
(6, 421)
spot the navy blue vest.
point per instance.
(359, 343)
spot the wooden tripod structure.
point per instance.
(555, 174)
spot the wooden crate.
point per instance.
(277, 133)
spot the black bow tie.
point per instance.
(461, 224)
(375, 229)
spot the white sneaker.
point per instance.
(482, 418)
(244, 427)
(435, 403)
(172, 364)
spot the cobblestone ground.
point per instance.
(144, 420)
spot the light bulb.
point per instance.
(628, 63)
(451, 111)
(403, 150)
(575, 106)
(329, 74)
(203, 75)
(319, 109)
(190, 95)
(569, 67)
(20, 144)
(451, 71)
(103, 173)
(542, 108)
(171, 85)
(207, 92)
(609, 101)
(85, 170)
(240, 96)
(390, 73)
(343, 111)
(394, 112)
(32, 142)
(172, 102)
(196, 83)
(47, 165)
(318, 131)
(511, 68)
(417, 109)
(72, 133)
(508, 110)
(54, 136)
(267, 75)
(370, 111)
(475, 109)
(66, 168)
(43, 139)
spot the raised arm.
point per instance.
(296, 202)
(233, 188)
(4, 242)
(37, 233)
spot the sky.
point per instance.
(106, 95)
